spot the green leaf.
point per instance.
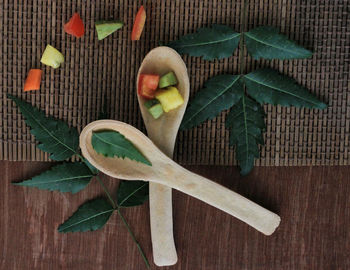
(267, 85)
(65, 177)
(216, 42)
(132, 193)
(246, 122)
(55, 136)
(220, 93)
(91, 167)
(111, 143)
(90, 216)
(266, 42)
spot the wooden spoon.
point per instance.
(165, 171)
(163, 132)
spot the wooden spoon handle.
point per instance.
(161, 217)
(222, 198)
(161, 211)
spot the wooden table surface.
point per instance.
(313, 202)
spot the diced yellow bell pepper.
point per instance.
(52, 57)
(170, 98)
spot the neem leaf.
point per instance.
(55, 136)
(90, 216)
(267, 85)
(220, 93)
(266, 42)
(246, 122)
(111, 143)
(216, 42)
(91, 167)
(132, 193)
(65, 177)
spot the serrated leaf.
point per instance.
(91, 167)
(220, 93)
(216, 42)
(132, 193)
(111, 143)
(246, 122)
(66, 177)
(269, 86)
(266, 42)
(90, 216)
(55, 136)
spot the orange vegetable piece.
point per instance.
(138, 24)
(143, 90)
(75, 26)
(151, 81)
(33, 80)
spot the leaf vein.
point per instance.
(86, 219)
(211, 100)
(208, 42)
(272, 45)
(58, 180)
(280, 90)
(44, 128)
(131, 194)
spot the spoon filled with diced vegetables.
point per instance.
(163, 91)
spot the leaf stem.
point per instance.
(116, 207)
(106, 191)
(109, 196)
(134, 239)
(241, 42)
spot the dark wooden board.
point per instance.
(313, 202)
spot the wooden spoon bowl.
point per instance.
(162, 60)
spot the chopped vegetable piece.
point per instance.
(170, 98)
(143, 90)
(150, 103)
(151, 81)
(52, 57)
(75, 26)
(33, 80)
(146, 92)
(138, 24)
(168, 79)
(154, 108)
(105, 28)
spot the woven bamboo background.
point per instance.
(94, 69)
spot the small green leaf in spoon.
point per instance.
(111, 143)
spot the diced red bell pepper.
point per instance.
(33, 80)
(138, 24)
(75, 26)
(143, 86)
(151, 81)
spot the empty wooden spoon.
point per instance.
(163, 132)
(165, 171)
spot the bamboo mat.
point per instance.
(94, 69)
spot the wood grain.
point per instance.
(313, 202)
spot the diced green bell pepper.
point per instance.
(168, 79)
(105, 28)
(154, 108)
